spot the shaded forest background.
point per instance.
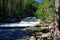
(17, 9)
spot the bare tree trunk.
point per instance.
(56, 26)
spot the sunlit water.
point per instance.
(13, 34)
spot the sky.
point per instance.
(38, 0)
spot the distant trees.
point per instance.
(46, 10)
(23, 8)
(17, 8)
